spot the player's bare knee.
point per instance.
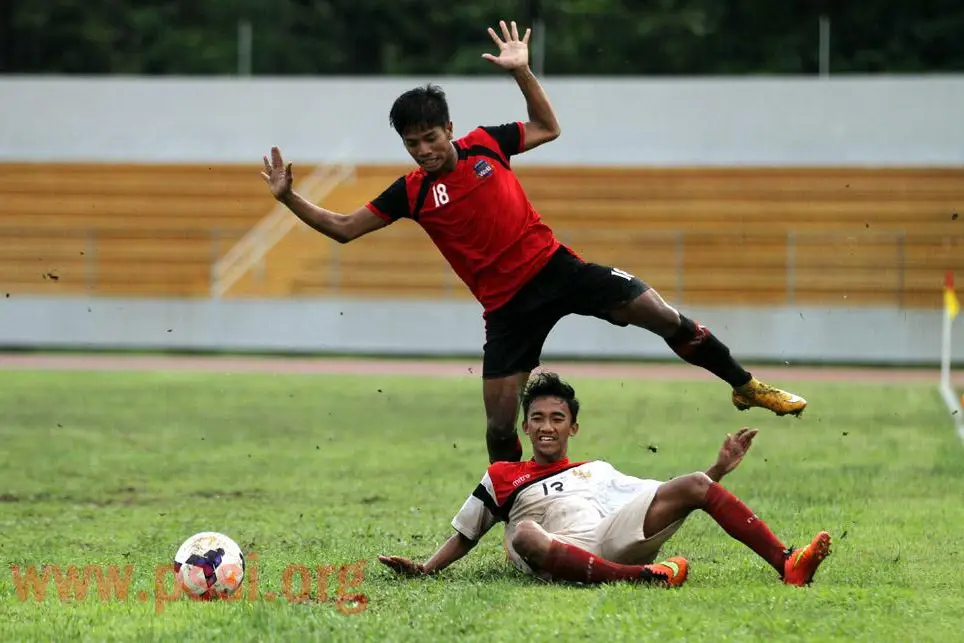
(529, 540)
(697, 486)
(651, 312)
(687, 491)
(664, 319)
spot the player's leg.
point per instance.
(623, 299)
(694, 343)
(500, 396)
(513, 347)
(552, 558)
(679, 497)
(691, 341)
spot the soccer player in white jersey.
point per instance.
(587, 522)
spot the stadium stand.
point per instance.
(112, 229)
(764, 236)
(744, 236)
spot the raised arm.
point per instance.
(542, 125)
(340, 227)
(731, 453)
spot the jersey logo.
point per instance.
(585, 475)
(520, 480)
(482, 168)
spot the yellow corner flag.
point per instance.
(951, 305)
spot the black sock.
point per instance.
(695, 344)
(503, 448)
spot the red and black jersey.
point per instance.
(477, 215)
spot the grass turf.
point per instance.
(328, 471)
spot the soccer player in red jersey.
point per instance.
(466, 197)
(587, 522)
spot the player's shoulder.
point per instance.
(598, 469)
(515, 474)
(409, 183)
(415, 176)
(598, 464)
(481, 135)
(508, 473)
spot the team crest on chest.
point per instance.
(482, 168)
(585, 475)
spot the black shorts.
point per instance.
(515, 333)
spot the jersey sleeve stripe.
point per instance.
(482, 150)
(485, 496)
(423, 190)
(374, 210)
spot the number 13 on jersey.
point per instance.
(555, 486)
(440, 193)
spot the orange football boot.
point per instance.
(802, 563)
(672, 572)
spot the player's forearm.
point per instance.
(715, 473)
(453, 549)
(537, 101)
(328, 223)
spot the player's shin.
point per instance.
(697, 345)
(739, 521)
(503, 447)
(569, 563)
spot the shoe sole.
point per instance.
(746, 407)
(823, 550)
(657, 578)
(660, 578)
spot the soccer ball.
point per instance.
(209, 566)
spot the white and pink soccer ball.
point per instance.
(209, 566)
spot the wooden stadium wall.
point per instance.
(703, 236)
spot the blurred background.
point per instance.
(790, 173)
(578, 37)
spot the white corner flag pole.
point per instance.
(947, 388)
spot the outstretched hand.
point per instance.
(513, 51)
(276, 174)
(733, 449)
(402, 566)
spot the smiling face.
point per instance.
(549, 426)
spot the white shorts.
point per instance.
(619, 537)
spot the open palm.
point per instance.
(402, 566)
(734, 448)
(513, 51)
(276, 174)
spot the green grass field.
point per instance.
(327, 471)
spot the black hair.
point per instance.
(550, 385)
(419, 107)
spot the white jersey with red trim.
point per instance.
(563, 497)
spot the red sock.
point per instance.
(738, 521)
(567, 562)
